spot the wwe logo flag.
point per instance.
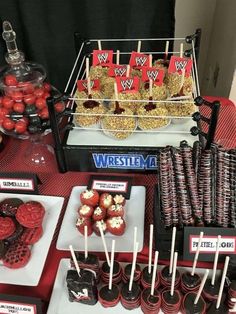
(178, 64)
(138, 60)
(117, 70)
(154, 74)
(102, 57)
(127, 84)
(82, 85)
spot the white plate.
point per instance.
(60, 304)
(31, 273)
(134, 216)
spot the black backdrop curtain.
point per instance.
(45, 28)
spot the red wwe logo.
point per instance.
(180, 65)
(102, 57)
(152, 75)
(140, 61)
(85, 84)
(127, 84)
(120, 71)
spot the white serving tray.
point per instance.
(31, 273)
(134, 216)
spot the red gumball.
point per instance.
(46, 95)
(26, 87)
(0, 101)
(59, 107)
(20, 127)
(17, 96)
(10, 80)
(19, 107)
(44, 113)
(39, 92)
(8, 124)
(40, 103)
(25, 120)
(29, 99)
(3, 112)
(47, 86)
(89, 197)
(7, 102)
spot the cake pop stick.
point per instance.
(150, 249)
(154, 272)
(222, 282)
(197, 253)
(216, 260)
(112, 264)
(182, 79)
(135, 238)
(133, 267)
(89, 85)
(87, 68)
(150, 88)
(128, 70)
(201, 286)
(233, 310)
(166, 50)
(150, 60)
(86, 242)
(99, 45)
(104, 244)
(181, 50)
(172, 249)
(117, 57)
(74, 260)
(139, 46)
(172, 288)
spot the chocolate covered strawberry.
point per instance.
(82, 222)
(116, 225)
(85, 211)
(115, 210)
(89, 197)
(106, 200)
(119, 199)
(99, 213)
(96, 227)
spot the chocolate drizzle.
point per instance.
(118, 109)
(190, 308)
(150, 106)
(90, 104)
(191, 281)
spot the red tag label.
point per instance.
(154, 74)
(102, 57)
(178, 64)
(117, 70)
(82, 85)
(138, 60)
(127, 84)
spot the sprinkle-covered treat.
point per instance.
(17, 256)
(96, 227)
(16, 235)
(89, 197)
(9, 206)
(31, 235)
(83, 288)
(85, 211)
(82, 222)
(7, 227)
(106, 200)
(30, 214)
(99, 213)
(116, 225)
(116, 210)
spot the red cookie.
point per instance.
(116, 210)
(96, 227)
(119, 199)
(7, 227)
(85, 211)
(82, 222)
(31, 235)
(17, 255)
(30, 214)
(116, 225)
(89, 197)
(99, 213)
(106, 200)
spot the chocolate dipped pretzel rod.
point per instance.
(182, 190)
(187, 155)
